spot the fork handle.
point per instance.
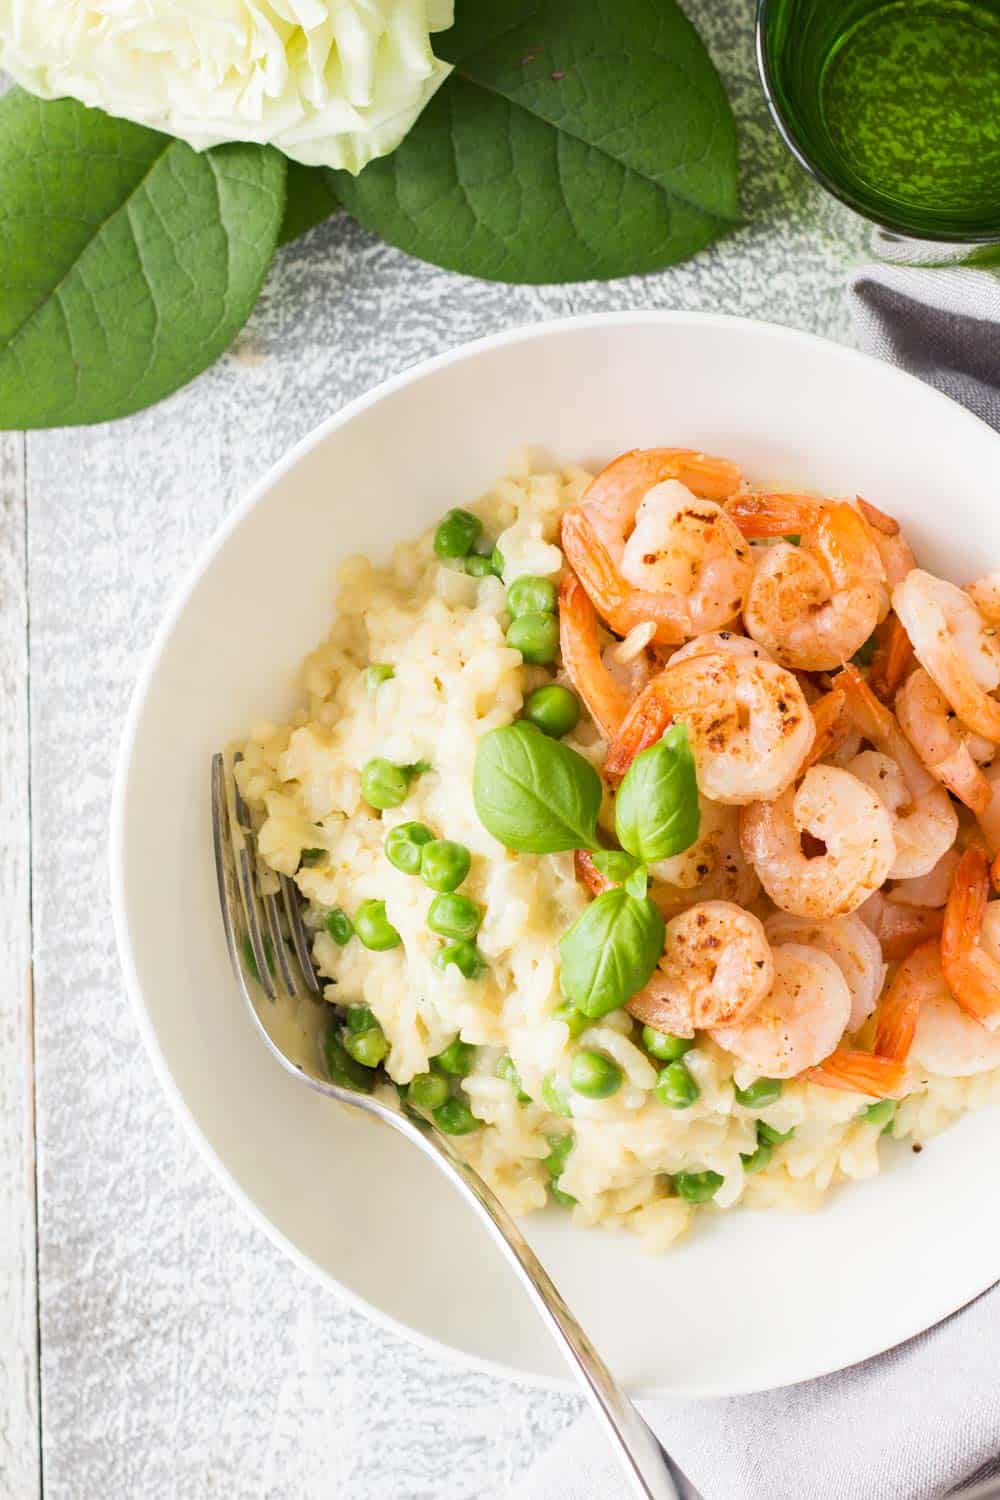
(648, 1469)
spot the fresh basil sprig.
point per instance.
(534, 793)
(657, 813)
(610, 952)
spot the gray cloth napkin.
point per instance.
(935, 310)
(922, 1421)
(918, 1423)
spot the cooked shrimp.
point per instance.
(989, 818)
(985, 594)
(970, 941)
(579, 641)
(924, 829)
(748, 723)
(898, 927)
(893, 548)
(955, 644)
(893, 658)
(688, 568)
(924, 821)
(931, 889)
(813, 605)
(851, 945)
(946, 1040)
(719, 640)
(710, 869)
(846, 817)
(799, 1021)
(948, 750)
(834, 727)
(899, 1011)
(715, 970)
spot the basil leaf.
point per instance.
(128, 261)
(637, 883)
(570, 142)
(614, 864)
(534, 793)
(657, 812)
(309, 199)
(609, 952)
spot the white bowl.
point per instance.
(747, 1300)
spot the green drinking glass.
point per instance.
(893, 105)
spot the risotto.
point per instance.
(618, 861)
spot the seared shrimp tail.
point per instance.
(579, 641)
(971, 973)
(860, 1073)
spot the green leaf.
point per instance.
(637, 883)
(657, 812)
(610, 951)
(534, 793)
(128, 262)
(571, 141)
(614, 864)
(309, 199)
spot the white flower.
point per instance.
(329, 82)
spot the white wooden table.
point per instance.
(152, 1342)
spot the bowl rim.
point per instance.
(943, 234)
(178, 601)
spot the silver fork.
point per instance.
(262, 922)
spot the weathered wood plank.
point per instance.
(19, 1419)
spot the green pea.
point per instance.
(553, 709)
(428, 1091)
(465, 956)
(697, 1187)
(251, 959)
(554, 1096)
(559, 1148)
(760, 1093)
(756, 1161)
(455, 1117)
(771, 1137)
(454, 916)
(444, 864)
(457, 1058)
(376, 674)
(404, 845)
(384, 784)
(664, 1046)
(478, 566)
(594, 1074)
(675, 1086)
(880, 1113)
(360, 1018)
(457, 534)
(531, 596)
(536, 636)
(497, 561)
(374, 928)
(341, 1067)
(507, 1070)
(339, 925)
(369, 1047)
(575, 1019)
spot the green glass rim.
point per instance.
(944, 234)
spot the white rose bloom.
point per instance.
(329, 82)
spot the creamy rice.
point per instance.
(442, 632)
